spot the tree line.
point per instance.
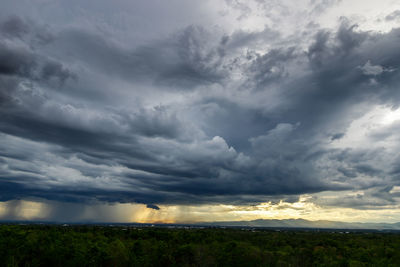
(54, 245)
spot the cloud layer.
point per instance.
(198, 112)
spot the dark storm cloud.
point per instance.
(337, 136)
(375, 198)
(16, 61)
(20, 59)
(154, 207)
(347, 172)
(184, 60)
(269, 67)
(226, 140)
(14, 26)
(336, 83)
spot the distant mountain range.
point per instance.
(300, 223)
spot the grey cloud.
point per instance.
(357, 169)
(183, 60)
(395, 15)
(217, 113)
(367, 169)
(327, 49)
(244, 9)
(390, 131)
(319, 6)
(17, 28)
(245, 39)
(374, 198)
(226, 140)
(14, 26)
(369, 69)
(151, 206)
(22, 61)
(337, 136)
(336, 83)
(367, 201)
(347, 172)
(16, 61)
(55, 70)
(270, 67)
(273, 141)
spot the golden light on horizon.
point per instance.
(3, 209)
(304, 208)
(23, 210)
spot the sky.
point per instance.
(189, 111)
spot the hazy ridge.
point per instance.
(301, 223)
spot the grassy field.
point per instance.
(55, 245)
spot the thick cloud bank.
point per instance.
(197, 113)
